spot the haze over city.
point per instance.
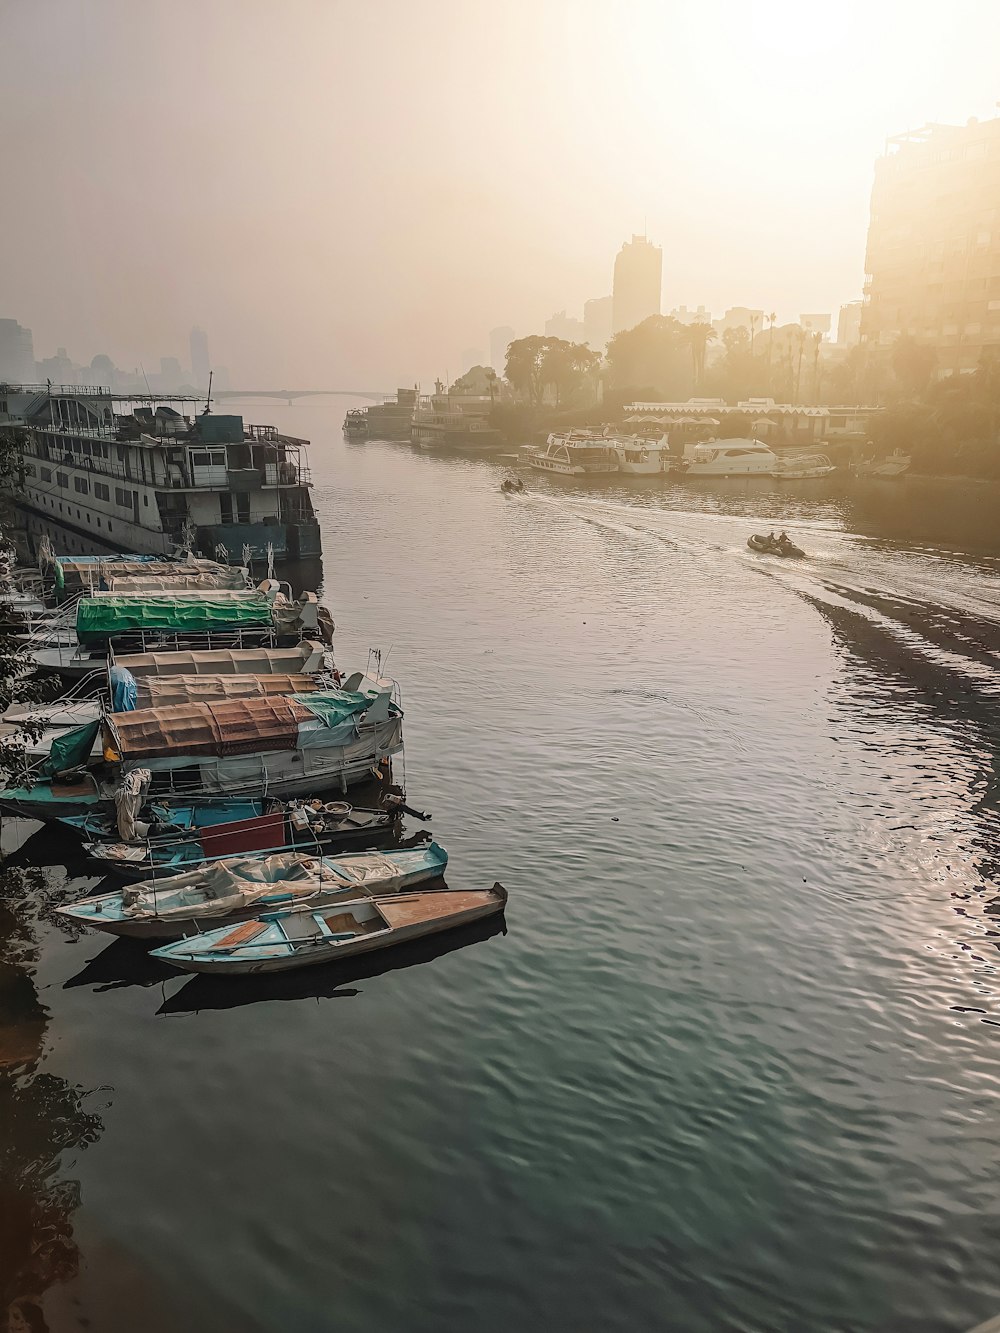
(352, 195)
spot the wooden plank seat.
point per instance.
(241, 935)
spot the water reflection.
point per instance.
(43, 1117)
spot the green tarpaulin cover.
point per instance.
(71, 749)
(334, 706)
(100, 618)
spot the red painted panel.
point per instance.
(245, 835)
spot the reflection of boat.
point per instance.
(575, 453)
(803, 465)
(285, 940)
(227, 892)
(728, 458)
(639, 456)
(772, 546)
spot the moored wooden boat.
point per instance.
(281, 941)
(228, 892)
(311, 827)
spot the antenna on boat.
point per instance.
(208, 400)
(149, 391)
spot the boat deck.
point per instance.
(412, 909)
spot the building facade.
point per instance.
(17, 352)
(637, 283)
(200, 363)
(849, 324)
(932, 268)
(597, 322)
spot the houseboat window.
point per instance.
(46, 474)
(62, 479)
(101, 491)
(242, 507)
(122, 497)
(216, 458)
(81, 485)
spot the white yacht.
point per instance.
(641, 456)
(729, 458)
(575, 453)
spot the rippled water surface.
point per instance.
(733, 1066)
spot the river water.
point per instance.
(734, 1063)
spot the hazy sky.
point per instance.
(350, 194)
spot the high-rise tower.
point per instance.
(638, 277)
(199, 358)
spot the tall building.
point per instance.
(817, 324)
(933, 260)
(849, 324)
(200, 363)
(17, 353)
(597, 322)
(565, 326)
(638, 279)
(500, 337)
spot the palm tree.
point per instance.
(817, 340)
(800, 335)
(770, 339)
(753, 330)
(698, 336)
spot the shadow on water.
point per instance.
(328, 982)
(43, 1118)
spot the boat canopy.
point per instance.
(163, 691)
(171, 736)
(225, 578)
(101, 618)
(306, 658)
(81, 571)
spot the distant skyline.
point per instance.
(353, 195)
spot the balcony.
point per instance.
(245, 478)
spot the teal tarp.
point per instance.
(71, 749)
(334, 706)
(101, 618)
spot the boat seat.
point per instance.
(247, 931)
(340, 927)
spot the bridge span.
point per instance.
(290, 394)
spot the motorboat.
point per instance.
(309, 825)
(640, 456)
(230, 891)
(774, 546)
(728, 458)
(283, 940)
(575, 453)
(512, 485)
(804, 466)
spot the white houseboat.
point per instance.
(575, 453)
(640, 456)
(135, 474)
(728, 458)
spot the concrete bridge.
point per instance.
(290, 394)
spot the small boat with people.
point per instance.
(512, 485)
(772, 545)
(282, 940)
(222, 893)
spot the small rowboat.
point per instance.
(228, 892)
(281, 941)
(335, 826)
